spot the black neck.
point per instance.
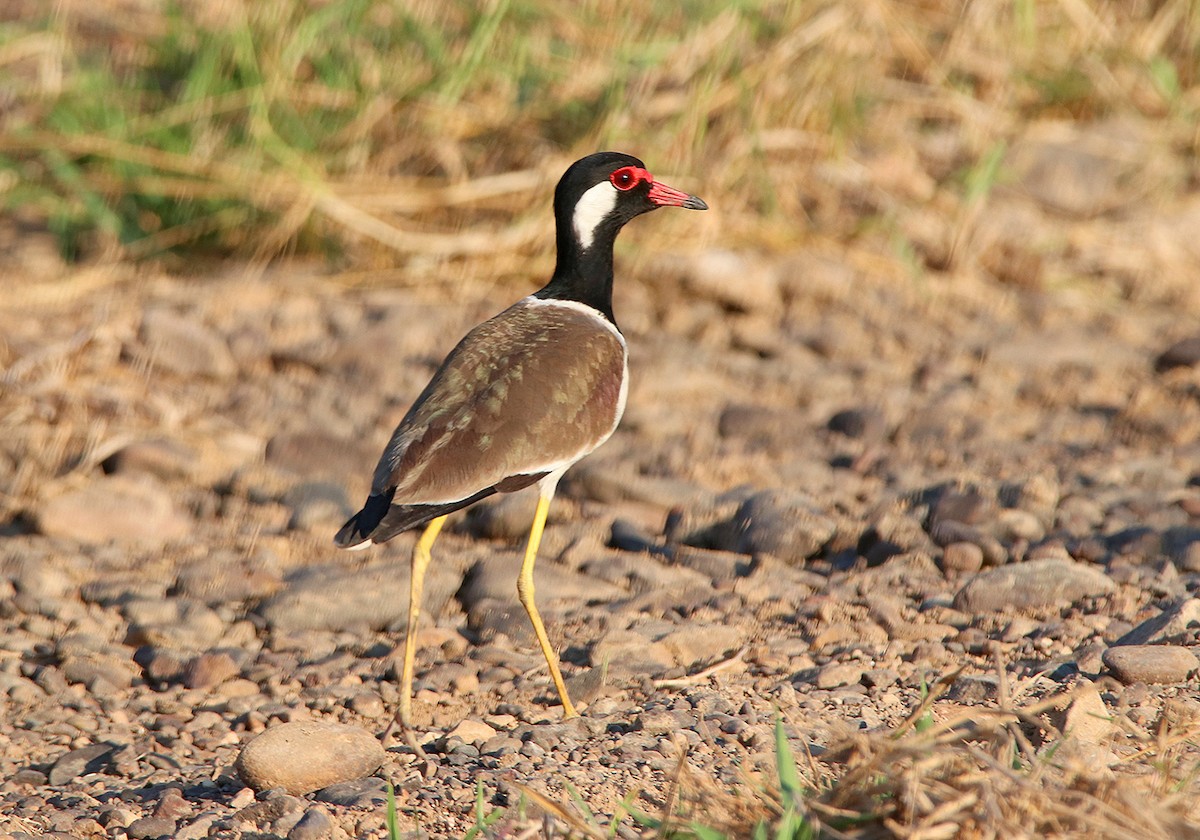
(583, 275)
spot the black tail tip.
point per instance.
(349, 536)
(356, 533)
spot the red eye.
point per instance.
(628, 177)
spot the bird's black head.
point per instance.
(598, 194)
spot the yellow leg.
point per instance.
(416, 586)
(525, 593)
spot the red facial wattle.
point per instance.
(628, 177)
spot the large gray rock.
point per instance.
(496, 578)
(90, 759)
(1036, 585)
(781, 523)
(125, 508)
(1162, 664)
(336, 598)
(1173, 624)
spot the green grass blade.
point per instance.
(393, 827)
(790, 785)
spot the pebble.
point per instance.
(208, 670)
(836, 674)
(1036, 585)
(948, 531)
(198, 828)
(92, 669)
(177, 623)
(894, 532)
(471, 731)
(1177, 623)
(185, 346)
(159, 457)
(631, 651)
(1087, 727)
(367, 792)
(507, 516)
(1087, 719)
(1154, 664)
(700, 644)
(1013, 525)
(171, 804)
(1183, 353)
(657, 722)
(715, 565)
(1039, 494)
(975, 689)
(500, 745)
(317, 506)
(496, 579)
(304, 756)
(761, 425)
(217, 580)
(880, 677)
(863, 422)
(150, 828)
(314, 825)
(90, 759)
(317, 455)
(782, 523)
(126, 508)
(1079, 170)
(962, 557)
(332, 597)
(968, 507)
(602, 483)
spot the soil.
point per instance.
(848, 469)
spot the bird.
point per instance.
(520, 398)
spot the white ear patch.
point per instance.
(591, 209)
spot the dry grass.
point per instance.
(434, 130)
(980, 773)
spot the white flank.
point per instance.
(591, 209)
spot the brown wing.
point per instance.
(531, 390)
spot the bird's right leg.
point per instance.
(416, 587)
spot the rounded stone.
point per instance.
(1160, 664)
(962, 557)
(837, 674)
(117, 507)
(472, 731)
(208, 670)
(304, 756)
(1034, 585)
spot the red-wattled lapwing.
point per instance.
(522, 397)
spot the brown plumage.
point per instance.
(524, 394)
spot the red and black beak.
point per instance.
(663, 196)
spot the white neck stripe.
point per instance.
(591, 209)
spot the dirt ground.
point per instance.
(850, 467)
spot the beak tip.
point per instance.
(694, 202)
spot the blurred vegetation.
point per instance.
(139, 128)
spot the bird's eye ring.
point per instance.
(628, 177)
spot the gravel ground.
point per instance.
(840, 477)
